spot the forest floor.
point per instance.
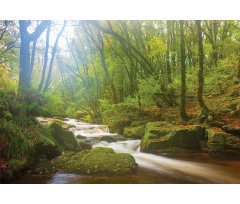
(225, 108)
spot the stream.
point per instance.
(152, 169)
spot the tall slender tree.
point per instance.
(52, 58)
(183, 113)
(204, 108)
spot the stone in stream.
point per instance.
(97, 161)
(85, 145)
(165, 137)
(64, 139)
(222, 142)
(80, 137)
(108, 139)
(136, 132)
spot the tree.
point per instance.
(183, 113)
(204, 108)
(26, 38)
(45, 59)
(53, 55)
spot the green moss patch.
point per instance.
(165, 137)
(96, 161)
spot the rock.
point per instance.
(64, 139)
(108, 139)
(139, 123)
(231, 129)
(68, 126)
(165, 137)
(45, 146)
(80, 137)
(134, 132)
(224, 143)
(98, 161)
(85, 145)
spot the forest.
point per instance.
(108, 99)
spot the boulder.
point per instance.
(139, 123)
(108, 139)
(46, 146)
(85, 145)
(80, 137)
(100, 160)
(222, 142)
(64, 139)
(165, 137)
(134, 132)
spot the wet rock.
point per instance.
(97, 161)
(134, 132)
(64, 139)
(165, 137)
(108, 139)
(80, 137)
(224, 143)
(85, 145)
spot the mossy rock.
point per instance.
(13, 170)
(134, 132)
(108, 139)
(57, 121)
(165, 137)
(68, 126)
(46, 146)
(224, 143)
(80, 137)
(139, 123)
(98, 161)
(85, 145)
(64, 139)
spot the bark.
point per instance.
(52, 58)
(45, 59)
(183, 113)
(204, 108)
(26, 39)
(33, 55)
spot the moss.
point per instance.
(80, 137)
(161, 136)
(108, 139)
(224, 143)
(97, 161)
(64, 139)
(134, 132)
(85, 145)
(14, 168)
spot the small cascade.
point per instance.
(155, 163)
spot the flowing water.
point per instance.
(159, 169)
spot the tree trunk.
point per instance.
(183, 113)
(52, 59)
(204, 108)
(25, 68)
(45, 59)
